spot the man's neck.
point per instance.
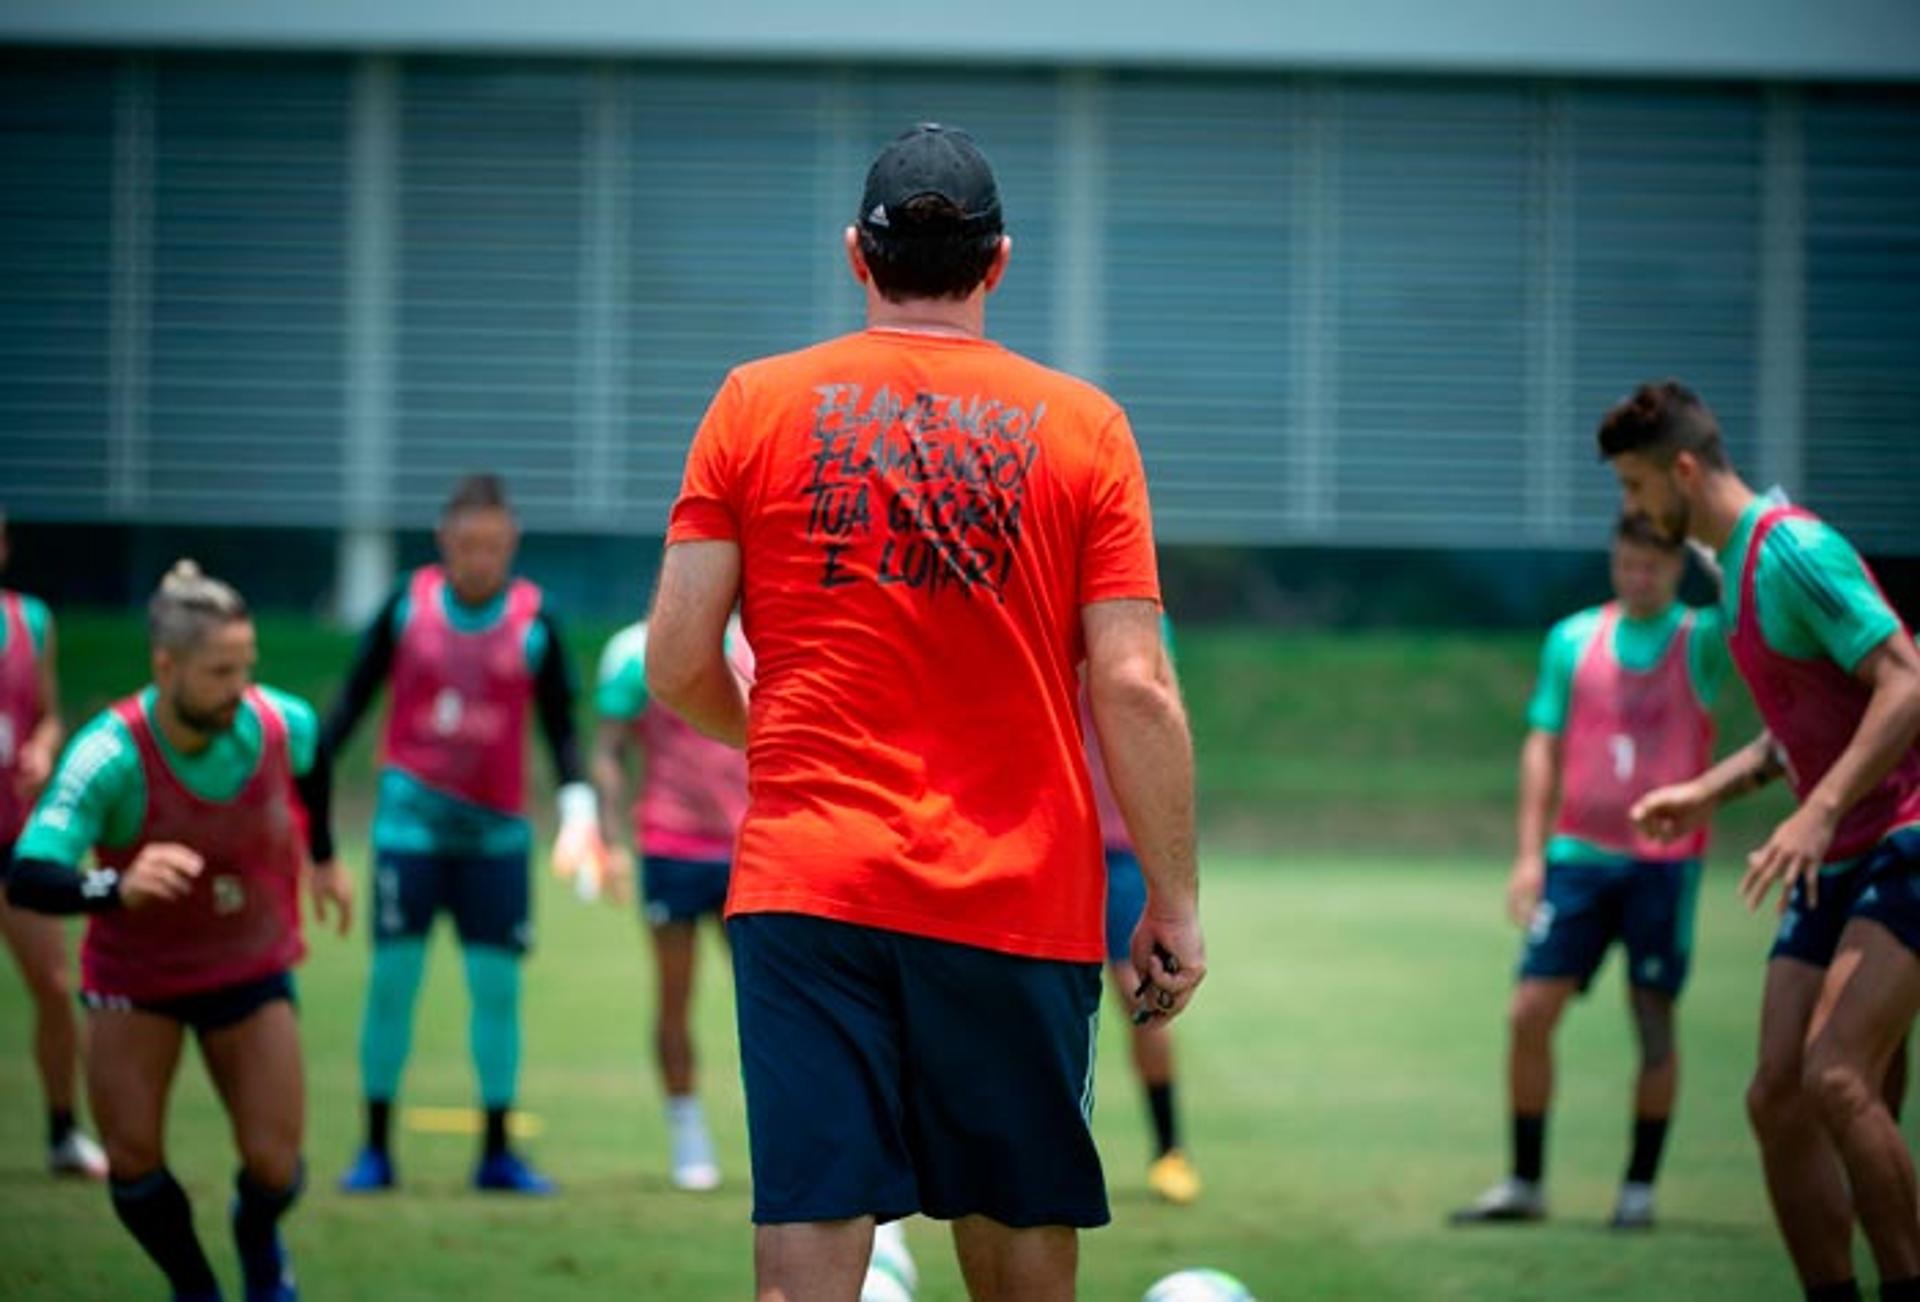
(960, 318)
(1724, 500)
(181, 736)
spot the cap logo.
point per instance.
(878, 217)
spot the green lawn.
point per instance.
(1340, 1076)
(1341, 1071)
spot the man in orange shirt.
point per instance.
(928, 534)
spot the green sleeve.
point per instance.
(1818, 598)
(39, 622)
(97, 796)
(303, 727)
(1559, 658)
(621, 692)
(1709, 659)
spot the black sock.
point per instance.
(155, 1211)
(1529, 1147)
(496, 1131)
(59, 1126)
(1845, 1291)
(379, 1124)
(1900, 1290)
(1649, 1138)
(256, 1212)
(1160, 1104)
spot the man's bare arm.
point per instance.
(687, 668)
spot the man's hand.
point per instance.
(1793, 853)
(1528, 879)
(1669, 813)
(332, 894)
(580, 856)
(1169, 959)
(161, 873)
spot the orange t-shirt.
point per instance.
(921, 519)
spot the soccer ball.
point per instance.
(882, 1285)
(890, 1255)
(1199, 1286)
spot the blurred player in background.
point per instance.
(1837, 680)
(927, 535)
(30, 736)
(1623, 705)
(195, 796)
(472, 652)
(692, 792)
(1172, 1175)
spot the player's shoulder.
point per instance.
(1578, 626)
(100, 745)
(295, 709)
(1802, 536)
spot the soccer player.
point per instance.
(471, 652)
(1623, 705)
(928, 534)
(1172, 1174)
(1837, 680)
(30, 735)
(692, 793)
(203, 799)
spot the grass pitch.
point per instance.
(1340, 1082)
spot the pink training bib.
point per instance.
(696, 788)
(1813, 708)
(21, 710)
(458, 721)
(241, 921)
(1628, 733)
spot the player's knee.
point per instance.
(272, 1159)
(1531, 1016)
(1774, 1100)
(1839, 1089)
(132, 1157)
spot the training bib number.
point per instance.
(1623, 757)
(448, 710)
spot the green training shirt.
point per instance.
(98, 794)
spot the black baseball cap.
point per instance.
(931, 160)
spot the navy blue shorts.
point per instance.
(1883, 886)
(489, 897)
(889, 1074)
(1647, 906)
(1126, 901)
(208, 1010)
(681, 890)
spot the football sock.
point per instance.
(1900, 1290)
(1529, 1146)
(1845, 1291)
(496, 1138)
(156, 1212)
(59, 1126)
(1166, 1135)
(1649, 1139)
(257, 1210)
(386, 1034)
(379, 1124)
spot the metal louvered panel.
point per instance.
(246, 374)
(1666, 278)
(1432, 197)
(56, 259)
(1863, 314)
(490, 239)
(1199, 253)
(725, 251)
